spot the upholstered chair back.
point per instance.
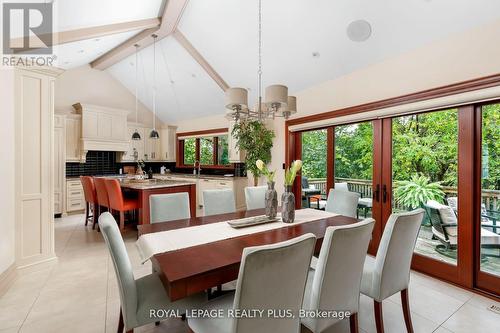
(123, 268)
(392, 264)
(218, 202)
(169, 207)
(255, 197)
(273, 277)
(342, 202)
(337, 277)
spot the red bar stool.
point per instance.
(118, 202)
(90, 194)
(102, 196)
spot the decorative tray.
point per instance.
(251, 221)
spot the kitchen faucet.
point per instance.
(197, 168)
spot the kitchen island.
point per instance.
(147, 187)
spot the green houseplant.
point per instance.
(256, 140)
(414, 193)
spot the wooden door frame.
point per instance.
(482, 280)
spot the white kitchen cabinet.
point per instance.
(168, 143)
(73, 138)
(59, 163)
(152, 147)
(75, 199)
(234, 154)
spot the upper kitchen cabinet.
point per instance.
(152, 147)
(134, 146)
(103, 128)
(167, 139)
(73, 137)
(234, 154)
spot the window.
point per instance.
(210, 151)
(189, 151)
(207, 151)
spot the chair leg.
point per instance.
(379, 320)
(87, 213)
(120, 322)
(405, 301)
(122, 221)
(353, 321)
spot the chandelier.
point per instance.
(276, 103)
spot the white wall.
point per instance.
(87, 85)
(458, 58)
(7, 170)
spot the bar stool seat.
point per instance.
(117, 202)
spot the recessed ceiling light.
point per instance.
(315, 54)
(66, 62)
(193, 75)
(97, 39)
(132, 64)
(359, 31)
(81, 51)
(172, 81)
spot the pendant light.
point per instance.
(136, 135)
(154, 133)
(276, 104)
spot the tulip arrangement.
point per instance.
(291, 172)
(265, 171)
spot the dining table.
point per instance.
(189, 270)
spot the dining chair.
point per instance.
(169, 207)
(138, 297)
(255, 197)
(118, 202)
(90, 195)
(218, 202)
(389, 272)
(270, 277)
(342, 202)
(336, 281)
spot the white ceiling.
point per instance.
(225, 33)
(79, 53)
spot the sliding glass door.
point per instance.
(424, 175)
(488, 203)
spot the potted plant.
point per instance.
(288, 198)
(256, 140)
(271, 194)
(415, 193)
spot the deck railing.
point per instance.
(490, 198)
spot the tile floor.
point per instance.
(78, 293)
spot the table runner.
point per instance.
(164, 241)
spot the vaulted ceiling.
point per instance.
(304, 43)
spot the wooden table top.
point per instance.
(190, 270)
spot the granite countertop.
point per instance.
(149, 184)
(194, 177)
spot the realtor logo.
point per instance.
(27, 28)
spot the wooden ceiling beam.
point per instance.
(169, 21)
(70, 36)
(199, 58)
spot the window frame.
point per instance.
(215, 151)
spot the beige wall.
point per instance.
(458, 58)
(87, 85)
(7, 170)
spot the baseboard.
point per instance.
(7, 278)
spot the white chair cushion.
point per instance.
(489, 238)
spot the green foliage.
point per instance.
(256, 140)
(414, 193)
(206, 151)
(491, 147)
(223, 150)
(314, 153)
(426, 144)
(189, 151)
(354, 151)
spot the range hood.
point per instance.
(103, 128)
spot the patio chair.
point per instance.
(444, 228)
(488, 217)
(307, 191)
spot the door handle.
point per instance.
(384, 193)
(376, 193)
